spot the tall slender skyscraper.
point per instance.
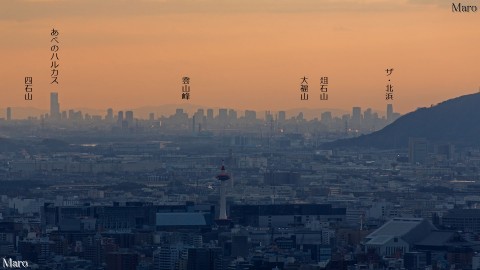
(193, 124)
(9, 114)
(389, 113)
(54, 106)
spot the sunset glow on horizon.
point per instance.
(239, 54)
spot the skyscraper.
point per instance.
(9, 114)
(109, 116)
(200, 113)
(389, 113)
(54, 106)
(209, 114)
(200, 118)
(326, 118)
(232, 115)
(193, 124)
(368, 120)
(268, 116)
(129, 118)
(282, 116)
(356, 117)
(71, 114)
(120, 117)
(222, 115)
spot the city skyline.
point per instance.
(57, 112)
(244, 55)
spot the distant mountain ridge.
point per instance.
(454, 121)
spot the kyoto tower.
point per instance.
(223, 177)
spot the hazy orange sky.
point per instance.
(245, 54)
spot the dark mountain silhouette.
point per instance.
(454, 121)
